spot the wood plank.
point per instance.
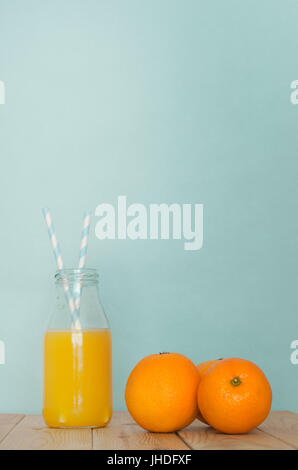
(283, 425)
(200, 436)
(279, 431)
(122, 433)
(32, 434)
(8, 422)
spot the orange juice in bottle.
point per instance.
(77, 383)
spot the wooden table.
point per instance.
(17, 431)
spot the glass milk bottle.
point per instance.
(77, 376)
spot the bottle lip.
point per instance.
(76, 275)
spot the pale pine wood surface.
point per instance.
(8, 422)
(201, 437)
(124, 434)
(279, 431)
(283, 425)
(32, 434)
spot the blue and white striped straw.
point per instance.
(82, 256)
(84, 239)
(59, 261)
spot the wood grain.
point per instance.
(279, 431)
(283, 425)
(198, 436)
(8, 422)
(31, 434)
(123, 433)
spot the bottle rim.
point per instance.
(72, 275)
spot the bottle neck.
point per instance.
(77, 300)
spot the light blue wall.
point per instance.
(162, 101)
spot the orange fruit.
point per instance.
(234, 396)
(161, 392)
(202, 368)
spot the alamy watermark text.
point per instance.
(158, 221)
(2, 92)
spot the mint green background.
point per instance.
(162, 101)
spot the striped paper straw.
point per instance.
(59, 261)
(82, 256)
